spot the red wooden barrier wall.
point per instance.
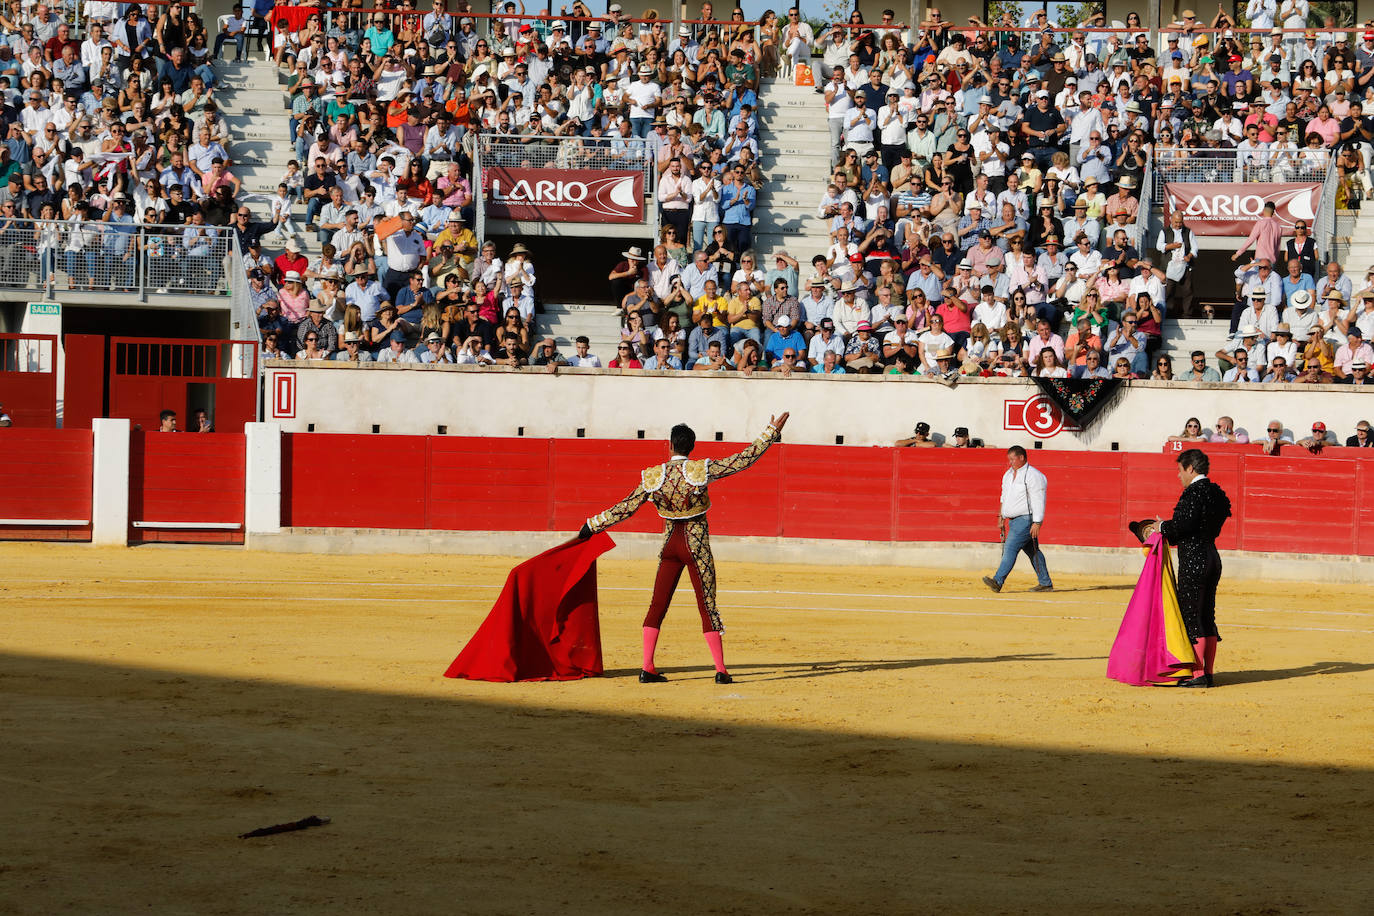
(1292, 503)
(194, 482)
(45, 474)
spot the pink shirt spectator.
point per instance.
(981, 257)
(1345, 355)
(293, 308)
(1038, 343)
(956, 319)
(1266, 236)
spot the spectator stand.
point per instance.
(789, 122)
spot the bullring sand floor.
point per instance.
(898, 741)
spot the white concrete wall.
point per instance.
(262, 480)
(865, 410)
(110, 486)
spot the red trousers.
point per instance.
(676, 555)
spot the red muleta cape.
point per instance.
(544, 627)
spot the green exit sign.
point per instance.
(45, 308)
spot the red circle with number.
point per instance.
(1042, 417)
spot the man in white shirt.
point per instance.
(1261, 13)
(404, 249)
(584, 357)
(675, 198)
(644, 99)
(1019, 519)
(1178, 248)
(892, 127)
(858, 126)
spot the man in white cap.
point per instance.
(645, 97)
(623, 276)
(435, 351)
(1302, 315)
(850, 311)
(1246, 343)
(353, 351)
(786, 337)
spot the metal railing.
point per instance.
(518, 151)
(1143, 212)
(1324, 226)
(1214, 166)
(124, 258)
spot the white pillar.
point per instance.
(110, 482)
(262, 480)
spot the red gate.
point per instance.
(186, 487)
(28, 379)
(152, 374)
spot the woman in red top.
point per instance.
(415, 182)
(624, 358)
(1149, 320)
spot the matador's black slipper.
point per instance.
(651, 677)
(723, 678)
(1202, 680)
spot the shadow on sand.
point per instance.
(125, 789)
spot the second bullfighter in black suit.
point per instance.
(1202, 510)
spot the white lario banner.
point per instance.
(1231, 208)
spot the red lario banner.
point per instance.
(564, 195)
(1231, 208)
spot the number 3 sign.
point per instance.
(1037, 415)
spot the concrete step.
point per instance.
(565, 322)
(809, 187)
(794, 146)
(256, 74)
(263, 152)
(811, 102)
(813, 124)
(255, 175)
(801, 247)
(785, 124)
(269, 99)
(777, 88)
(786, 211)
(797, 172)
(792, 200)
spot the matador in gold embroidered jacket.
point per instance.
(678, 490)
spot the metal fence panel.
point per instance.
(601, 154)
(148, 261)
(1214, 166)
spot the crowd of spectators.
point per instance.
(386, 112)
(1276, 435)
(108, 132)
(983, 201)
(981, 206)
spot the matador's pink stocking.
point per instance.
(650, 642)
(717, 649)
